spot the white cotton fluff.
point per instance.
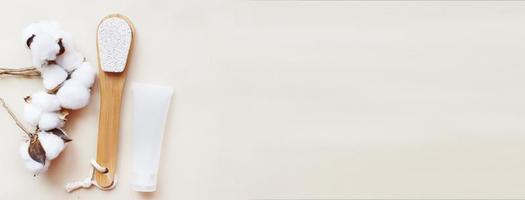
(52, 76)
(44, 46)
(52, 144)
(85, 74)
(44, 27)
(32, 114)
(31, 164)
(73, 95)
(29, 31)
(71, 59)
(43, 49)
(50, 120)
(46, 102)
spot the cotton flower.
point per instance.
(85, 74)
(44, 40)
(41, 148)
(44, 27)
(46, 102)
(71, 59)
(31, 164)
(32, 114)
(52, 76)
(29, 33)
(73, 95)
(36, 167)
(52, 144)
(41, 109)
(50, 120)
(51, 28)
(64, 71)
(44, 48)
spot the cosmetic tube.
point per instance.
(151, 105)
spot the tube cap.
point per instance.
(144, 182)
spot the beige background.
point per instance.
(291, 99)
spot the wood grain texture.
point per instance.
(111, 88)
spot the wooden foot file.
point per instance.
(114, 41)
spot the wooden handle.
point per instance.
(111, 87)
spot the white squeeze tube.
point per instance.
(151, 105)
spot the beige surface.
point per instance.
(290, 99)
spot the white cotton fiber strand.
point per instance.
(52, 76)
(52, 144)
(46, 102)
(73, 95)
(85, 74)
(29, 163)
(50, 120)
(32, 114)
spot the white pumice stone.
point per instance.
(32, 165)
(52, 76)
(50, 120)
(46, 102)
(73, 95)
(85, 74)
(32, 114)
(52, 144)
(114, 42)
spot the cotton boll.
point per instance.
(52, 76)
(44, 27)
(52, 28)
(46, 102)
(73, 95)
(31, 164)
(70, 60)
(52, 144)
(50, 120)
(32, 114)
(42, 39)
(29, 34)
(30, 30)
(44, 48)
(36, 167)
(85, 74)
(24, 151)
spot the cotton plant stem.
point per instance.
(27, 71)
(18, 123)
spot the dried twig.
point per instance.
(28, 71)
(18, 123)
